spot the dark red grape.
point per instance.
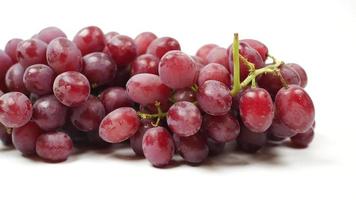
(294, 108)
(5, 137)
(11, 48)
(63, 55)
(279, 130)
(302, 140)
(145, 63)
(221, 128)
(90, 39)
(184, 118)
(214, 71)
(143, 40)
(194, 149)
(301, 72)
(119, 125)
(219, 55)
(258, 46)
(99, 68)
(185, 94)
(54, 146)
(121, 77)
(24, 138)
(5, 64)
(50, 33)
(136, 140)
(204, 51)
(177, 70)
(272, 139)
(114, 97)
(30, 52)
(71, 88)
(161, 46)
(14, 79)
(87, 116)
(108, 36)
(39, 79)
(15, 109)
(48, 113)
(158, 146)
(215, 147)
(214, 98)
(122, 49)
(147, 88)
(249, 141)
(256, 109)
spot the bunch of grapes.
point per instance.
(100, 89)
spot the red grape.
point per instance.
(50, 33)
(158, 146)
(90, 39)
(215, 147)
(204, 51)
(114, 97)
(39, 79)
(147, 89)
(222, 129)
(177, 70)
(219, 55)
(194, 149)
(136, 140)
(301, 72)
(15, 109)
(121, 77)
(184, 118)
(258, 46)
(279, 130)
(5, 64)
(302, 140)
(14, 79)
(30, 52)
(122, 49)
(63, 55)
(11, 48)
(119, 125)
(24, 138)
(143, 40)
(214, 71)
(214, 97)
(249, 141)
(145, 63)
(185, 94)
(71, 88)
(161, 46)
(54, 146)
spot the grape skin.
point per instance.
(15, 109)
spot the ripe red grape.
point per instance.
(99, 68)
(222, 129)
(39, 79)
(146, 89)
(54, 146)
(258, 46)
(214, 98)
(279, 130)
(249, 141)
(185, 94)
(301, 72)
(24, 138)
(5, 64)
(63, 55)
(158, 146)
(11, 48)
(184, 118)
(194, 149)
(204, 51)
(90, 39)
(302, 140)
(136, 140)
(71, 88)
(119, 125)
(161, 46)
(256, 109)
(122, 49)
(108, 36)
(143, 40)
(294, 108)
(219, 55)
(5, 137)
(114, 97)
(15, 109)
(177, 70)
(48, 113)
(214, 71)
(50, 33)
(145, 63)
(14, 79)
(30, 52)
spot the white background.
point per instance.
(319, 35)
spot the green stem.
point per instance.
(236, 55)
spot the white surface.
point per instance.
(319, 35)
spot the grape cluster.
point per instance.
(99, 89)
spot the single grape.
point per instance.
(214, 71)
(194, 149)
(143, 40)
(222, 129)
(108, 36)
(63, 55)
(184, 118)
(136, 140)
(115, 97)
(5, 137)
(214, 98)
(48, 113)
(161, 46)
(256, 109)
(24, 138)
(158, 146)
(54, 146)
(301, 72)
(302, 140)
(147, 89)
(145, 63)
(258, 46)
(71, 88)
(30, 52)
(14, 79)
(50, 33)
(279, 130)
(249, 141)
(99, 68)
(204, 51)
(186, 94)
(294, 108)
(219, 55)
(122, 49)
(11, 48)
(90, 39)
(119, 125)
(39, 79)
(5, 64)
(15, 109)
